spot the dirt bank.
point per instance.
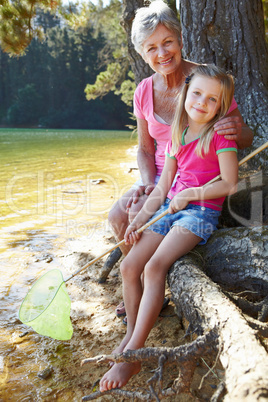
(51, 369)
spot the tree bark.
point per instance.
(237, 258)
(231, 34)
(140, 69)
(204, 305)
(249, 206)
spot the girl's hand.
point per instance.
(131, 235)
(230, 127)
(178, 203)
(141, 190)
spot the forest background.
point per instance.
(43, 83)
(73, 73)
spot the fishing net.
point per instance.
(46, 307)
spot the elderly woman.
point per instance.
(156, 35)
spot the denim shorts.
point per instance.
(199, 220)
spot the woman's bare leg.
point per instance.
(119, 217)
(177, 243)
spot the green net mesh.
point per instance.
(46, 307)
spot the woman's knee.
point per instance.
(135, 208)
(119, 213)
(118, 220)
(116, 214)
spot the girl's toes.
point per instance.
(110, 385)
(103, 385)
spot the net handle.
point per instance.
(244, 160)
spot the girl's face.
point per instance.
(203, 99)
(162, 51)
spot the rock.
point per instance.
(46, 373)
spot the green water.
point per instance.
(56, 187)
(48, 178)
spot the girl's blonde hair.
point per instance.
(180, 121)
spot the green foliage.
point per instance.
(106, 81)
(127, 89)
(46, 86)
(17, 28)
(114, 57)
(27, 107)
(68, 36)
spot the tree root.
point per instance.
(185, 356)
(236, 258)
(260, 327)
(205, 306)
(256, 310)
(112, 259)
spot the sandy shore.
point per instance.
(38, 368)
(97, 330)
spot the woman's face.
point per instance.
(162, 51)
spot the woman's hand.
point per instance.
(131, 235)
(141, 190)
(179, 202)
(230, 127)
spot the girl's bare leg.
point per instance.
(131, 269)
(177, 243)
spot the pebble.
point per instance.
(44, 374)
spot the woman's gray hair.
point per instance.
(148, 18)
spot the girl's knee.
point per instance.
(153, 271)
(128, 269)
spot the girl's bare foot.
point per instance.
(120, 348)
(118, 375)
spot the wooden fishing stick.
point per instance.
(244, 160)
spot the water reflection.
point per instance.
(33, 240)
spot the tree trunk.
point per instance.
(249, 206)
(237, 258)
(204, 305)
(231, 34)
(140, 69)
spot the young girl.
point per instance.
(199, 154)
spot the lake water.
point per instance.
(49, 179)
(55, 185)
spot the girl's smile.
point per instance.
(203, 99)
